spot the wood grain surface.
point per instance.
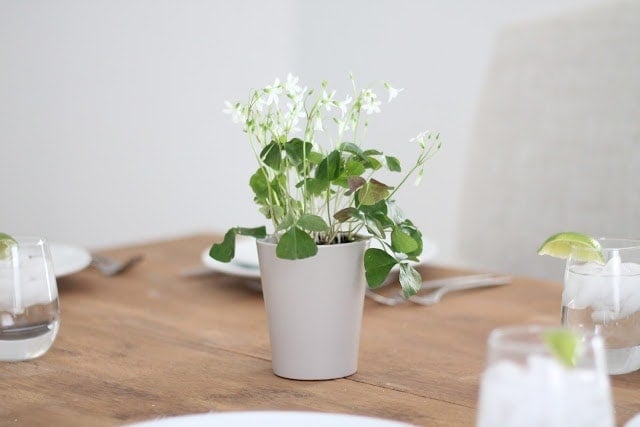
(150, 343)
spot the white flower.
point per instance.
(236, 111)
(342, 105)
(369, 103)
(294, 115)
(421, 137)
(273, 91)
(298, 97)
(327, 99)
(317, 124)
(258, 105)
(291, 85)
(393, 92)
(229, 108)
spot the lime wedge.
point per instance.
(6, 242)
(564, 345)
(583, 247)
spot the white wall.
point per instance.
(110, 111)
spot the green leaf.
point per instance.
(315, 186)
(564, 345)
(353, 168)
(260, 185)
(296, 244)
(373, 163)
(380, 206)
(402, 242)
(312, 223)
(416, 235)
(257, 232)
(377, 265)
(297, 149)
(350, 147)
(372, 192)
(371, 152)
(393, 164)
(355, 182)
(271, 155)
(330, 167)
(314, 157)
(410, 280)
(347, 213)
(226, 250)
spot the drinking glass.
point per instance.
(603, 296)
(29, 309)
(525, 385)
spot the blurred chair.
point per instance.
(556, 140)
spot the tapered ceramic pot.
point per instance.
(314, 308)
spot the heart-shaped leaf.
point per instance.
(410, 280)
(330, 167)
(372, 192)
(260, 185)
(295, 243)
(347, 214)
(297, 150)
(393, 164)
(377, 265)
(271, 155)
(225, 250)
(402, 242)
(312, 223)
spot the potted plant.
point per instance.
(317, 184)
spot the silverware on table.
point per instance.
(110, 267)
(442, 287)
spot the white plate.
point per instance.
(245, 264)
(68, 259)
(633, 422)
(270, 418)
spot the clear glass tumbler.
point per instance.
(602, 295)
(29, 309)
(526, 385)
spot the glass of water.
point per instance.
(525, 384)
(603, 296)
(29, 309)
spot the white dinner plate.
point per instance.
(68, 259)
(633, 422)
(269, 418)
(245, 263)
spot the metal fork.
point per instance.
(443, 286)
(110, 267)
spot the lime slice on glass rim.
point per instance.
(6, 242)
(583, 247)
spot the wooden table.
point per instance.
(149, 343)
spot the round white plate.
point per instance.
(633, 422)
(270, 418)
(245, 263)
(68, 259)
